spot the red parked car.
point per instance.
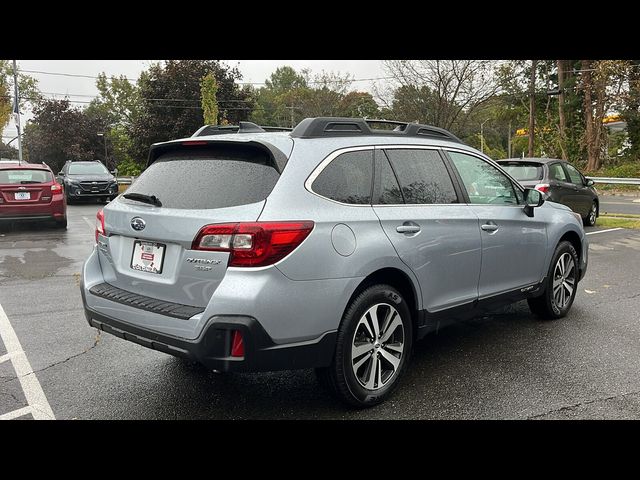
(29, 191)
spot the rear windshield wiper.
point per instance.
(140, 197)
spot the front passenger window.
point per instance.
(485, 184)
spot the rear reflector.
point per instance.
(195, 142)
(237, 344)
(542, 187)
(254, 244)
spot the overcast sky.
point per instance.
(252, 71)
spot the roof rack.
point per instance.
(348, 127)
(242, 127)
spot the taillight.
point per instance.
(100, 224)
(56, 187)
(237, 344)
(253, 244)
(542, 187)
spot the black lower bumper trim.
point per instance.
(212, 348)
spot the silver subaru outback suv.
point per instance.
(333, 246)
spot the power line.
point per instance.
(314, 82)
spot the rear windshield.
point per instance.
(24, 176)
(523, 171)
(215, 177)
(87, 169)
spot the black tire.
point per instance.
(70, 200)
(545, 306)
(590, 219)
(340, 378)
(61, 223)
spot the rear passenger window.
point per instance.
(347, 178)
(556, 172)
(423, 177)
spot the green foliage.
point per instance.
(179, 113)
(128, 168)
(118, 100)
(625, 170)
(60, 132)
(208, 91)
(28, 91)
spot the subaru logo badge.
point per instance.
(137, 223)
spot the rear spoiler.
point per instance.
(278, 158)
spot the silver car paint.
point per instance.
(305, 294)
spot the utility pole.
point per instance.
(17, 109)
(292, 118)
(509, 140)
(482, 135)
(532, 107)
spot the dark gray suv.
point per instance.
(334, 246)
(87, 180)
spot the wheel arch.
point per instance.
(398, 279)
(573, 238)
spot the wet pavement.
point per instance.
(507, 365)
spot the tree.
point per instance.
(631, 110)
(118, 100)
(358, 104)
(285, 79)
(27, 87)
(208, 90)
(59, 132)
(171, 105)
(459, 86)
(602, 86)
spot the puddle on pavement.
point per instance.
(32, 264)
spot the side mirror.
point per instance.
(61, 174)
(532, 199)
(590, 183)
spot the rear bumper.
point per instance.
(54, 210)
(213, 347)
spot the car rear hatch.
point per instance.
(148, 247)
(24, 186)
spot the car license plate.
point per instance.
(147, 256)
(23, 196)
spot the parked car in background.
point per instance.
(559, 181)
(88, 180)
(334, 246)
(29, 191)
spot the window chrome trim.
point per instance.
(325, 163)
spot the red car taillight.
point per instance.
(56, 187)
(254, 244)
(542, 187)
(100, 224)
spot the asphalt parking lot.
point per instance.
(504, 366)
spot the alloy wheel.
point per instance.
(377, 346)
(564, 280)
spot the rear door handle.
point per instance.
(489, 227)
(408, 227)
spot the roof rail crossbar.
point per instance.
(343, 127)
(242, 127)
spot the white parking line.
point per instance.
(38, 405)
(16, 413)
(605, 231)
